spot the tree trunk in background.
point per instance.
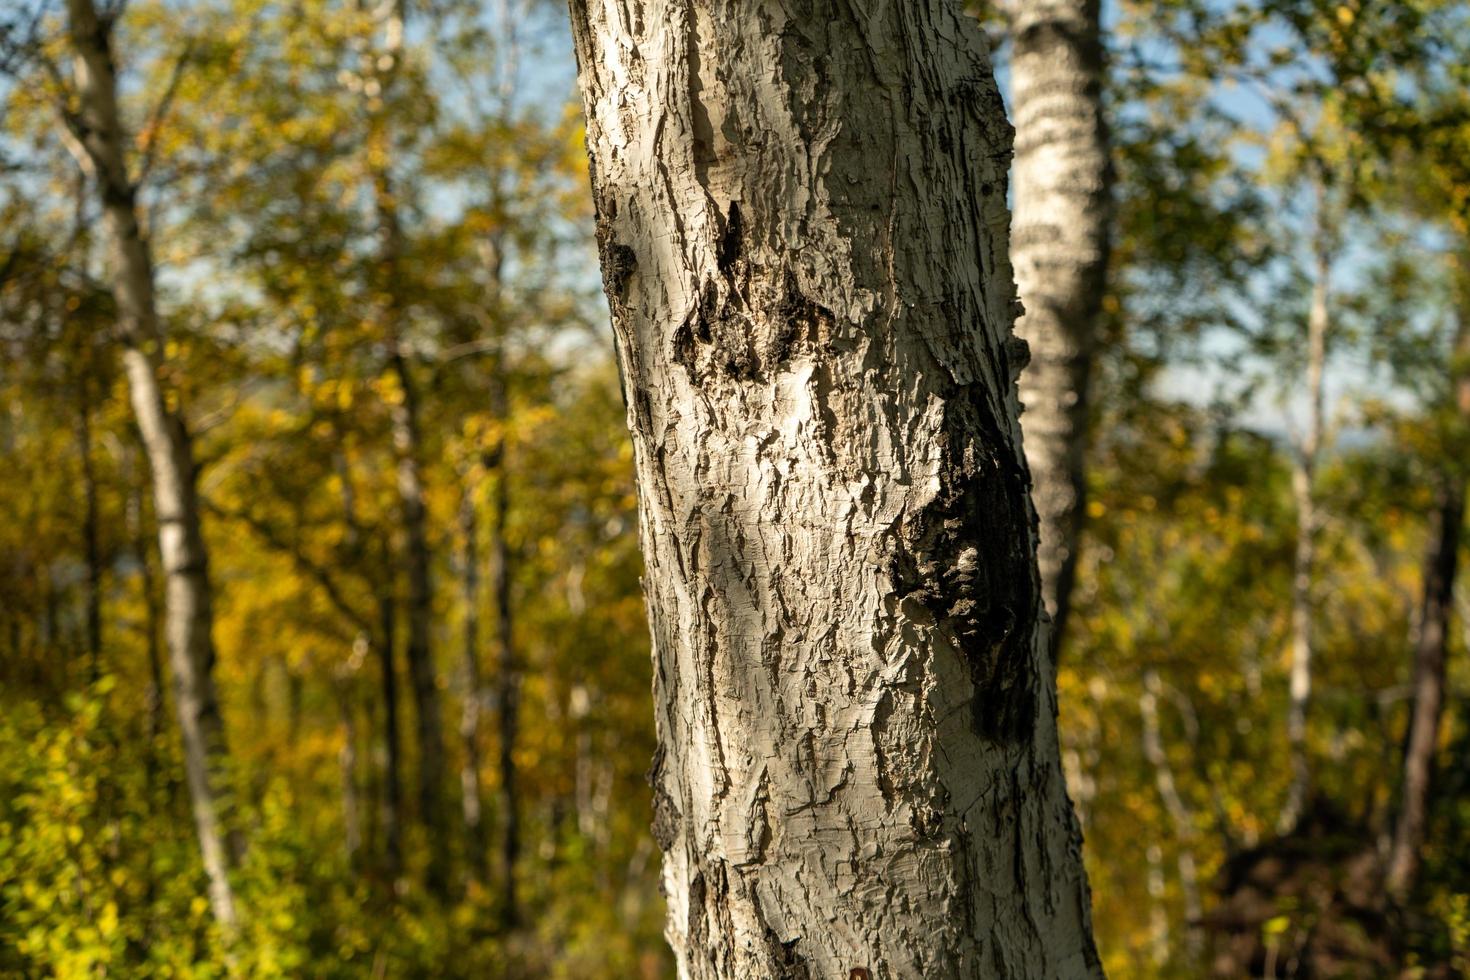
(347, 766)
(1303, 475)
(802, 220)
(90, 531)
(392, 813)
(508, 679)
(188, 619)
(1436, 610)
(383, 67)
(1179, 812)
(1059, 244)
(471, 791)
(139, 538)
(421, 675)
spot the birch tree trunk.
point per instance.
(802, 220)
(1303, 476)
(1060, 245)
(1440, 566)
(188, 619)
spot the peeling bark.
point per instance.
(1060, 245)
(802, 221)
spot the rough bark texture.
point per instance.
(1440, 566)
(1059, 244)
(1303, 476)
(802, 219)
(188, 619)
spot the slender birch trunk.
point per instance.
(188, 619)
(1303, 476)
(1436, 610)
(802, 220)
(1060, 245)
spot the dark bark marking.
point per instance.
(666, 817)
(730, 243)
(955, 558)
(785, 960)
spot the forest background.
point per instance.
(381, 325)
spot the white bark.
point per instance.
(1060, 246)
(801, 212)
(188, 620)
(1303, 567)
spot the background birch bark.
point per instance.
(188, 618)
(802, 220)
(1060, 244)
(1303, 479)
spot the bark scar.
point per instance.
(955, 558)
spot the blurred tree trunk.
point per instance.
(472, 796)
(141, 552)
(803, 229)
(91, 527)
(347, 767)
(1303, 476)
(1179, 812)
(392, 812)
(1060, 244)
(508, 681)
(97, 128)
(384, 68)
(1436, 609)
(420, 608)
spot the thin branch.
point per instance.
(160, 112)
(316, 572)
